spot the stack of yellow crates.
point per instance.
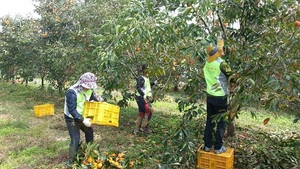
(102, 113)
(43, 110)
(210, 160)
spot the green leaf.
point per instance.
(251, 81)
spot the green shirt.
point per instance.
(216, 74)
(143, 87)
(82, 97)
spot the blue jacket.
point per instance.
(71, 97)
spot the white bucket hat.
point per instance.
(88, 80)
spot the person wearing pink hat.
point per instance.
(75, 98)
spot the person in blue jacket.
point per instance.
(75, 98)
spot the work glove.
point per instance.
(150, 99)
(145, 99)
(87, 122)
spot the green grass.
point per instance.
(31, 142)
(277, 123)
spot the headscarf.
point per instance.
(87, 80)
(215, 51)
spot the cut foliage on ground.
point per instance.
(28, 141)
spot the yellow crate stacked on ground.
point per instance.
(210, 160)
(102, 113)
(43, 110)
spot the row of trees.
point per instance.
(112, 38)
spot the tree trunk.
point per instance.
(231, 129)
(43, 85)
(60, 85)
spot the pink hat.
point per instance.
(88, 80)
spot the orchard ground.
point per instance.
(28, 141)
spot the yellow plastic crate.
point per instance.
(102, 113)
(43, 110)
(91, 109)
(210, 160)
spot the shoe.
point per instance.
(146, 130)
(206, 149)
(221, 150)
(69, 163)
(135, 132)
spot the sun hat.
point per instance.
(211, 50)
(88, 80)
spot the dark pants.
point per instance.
(215, 106)
(74, 131)
(145, 110)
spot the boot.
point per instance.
(145, 121)
(72, 154)
(138, 125)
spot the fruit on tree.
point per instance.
(297, 23)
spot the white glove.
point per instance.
(86, 122)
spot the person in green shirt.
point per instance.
(216, 73)
(144, 98)
(76, 96)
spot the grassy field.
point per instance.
(31, 142)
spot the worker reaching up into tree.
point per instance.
(144, 99)
(216, 73)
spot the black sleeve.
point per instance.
(93, 97)
(71, 100)
(152, 84)
(140, 81)
(225, 68)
